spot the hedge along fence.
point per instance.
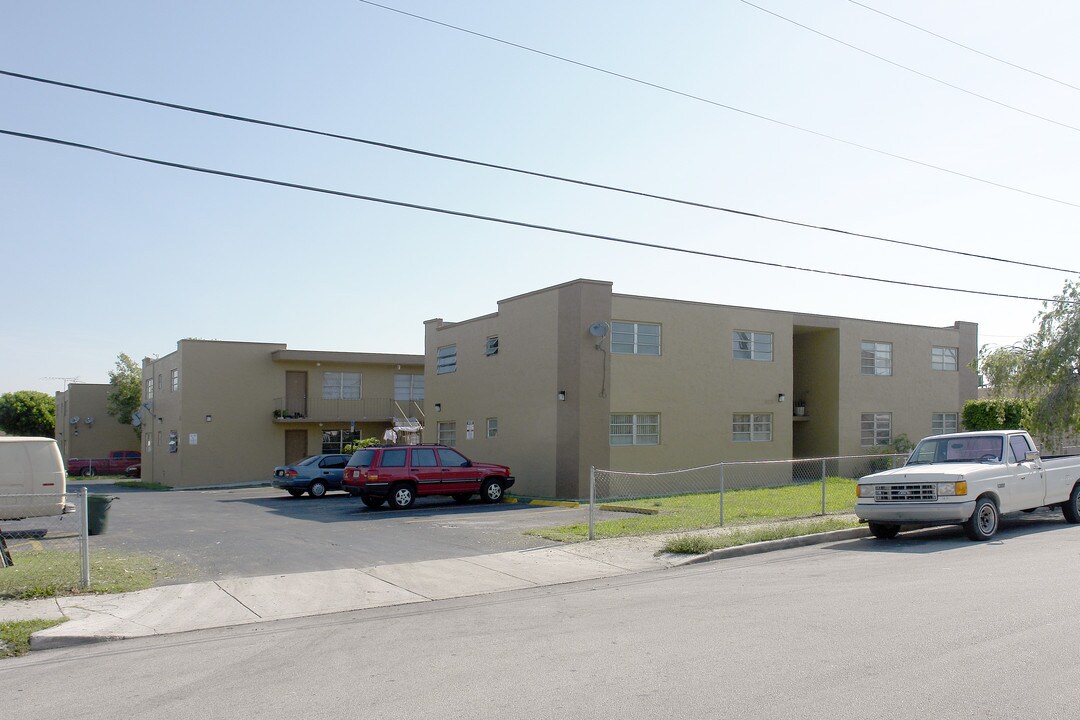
(993, 414)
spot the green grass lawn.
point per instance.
(15, 636)
(694, 512)
(698, 544)
(142, 485)
(48, 573)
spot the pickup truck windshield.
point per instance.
(975, 448)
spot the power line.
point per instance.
(966, 47)
(912, 70)
(505, 221)
(698, 98)
(532, 173)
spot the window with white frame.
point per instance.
(340, 386)
(634, 338)
(446, 359)
(150, 389)
(876, 429)
(448, 434)
(175, 381)
(943, 358)
(876, 358)
(635, 429)
(334, 441)
(751, 345)
(491, 345)
(492, 427)
(751, 427)
(944, 423)
(408, 387)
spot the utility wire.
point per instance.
(966, 47)
(913, 71)
(698, 98)
(532, 173)
(504, 221)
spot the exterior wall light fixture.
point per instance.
(562, 395)
(781, 397)
(438, 407)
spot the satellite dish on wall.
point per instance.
(89, 420)
(598, 330)
(74, 420)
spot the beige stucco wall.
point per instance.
(914, 391)
(511, 386)
(90, 440)
(544, 347)
(232, 382)
(696, 384)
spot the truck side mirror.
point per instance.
(1031, 456)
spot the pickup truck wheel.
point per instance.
(1071, 509)
(983, 523)
(87, 472)
(402, 496)
(462, 498)
(372, 502)
(884, 531)
(317, 489)
(491, 491)
(296, 493)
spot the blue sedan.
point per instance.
(313, 475)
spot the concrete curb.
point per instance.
(781, 544)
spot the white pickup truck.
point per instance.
(968, 479)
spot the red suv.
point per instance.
(399, 474)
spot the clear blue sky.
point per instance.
(102, 255)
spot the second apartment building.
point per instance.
(575, 375)
(222, 413)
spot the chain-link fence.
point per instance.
(47, 554)
(728, 493)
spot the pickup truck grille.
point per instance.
(905, 493)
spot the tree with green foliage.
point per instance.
(126, 394)
(1043, 370)
(28, 413)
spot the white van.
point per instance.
(32, 478)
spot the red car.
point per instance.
(399, 475)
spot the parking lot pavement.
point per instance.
(247, 532)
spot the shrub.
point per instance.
(995, 414)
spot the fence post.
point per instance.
(84, 533)
(823, 486)
(721, 494)
(592, 497)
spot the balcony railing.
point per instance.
(362, 410)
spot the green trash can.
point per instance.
(97, 513)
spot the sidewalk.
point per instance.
(199, 606)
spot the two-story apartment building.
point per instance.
(574, 376)
(219, 413)
(84, 428)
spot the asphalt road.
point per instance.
(249, 532)
(927, 626)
